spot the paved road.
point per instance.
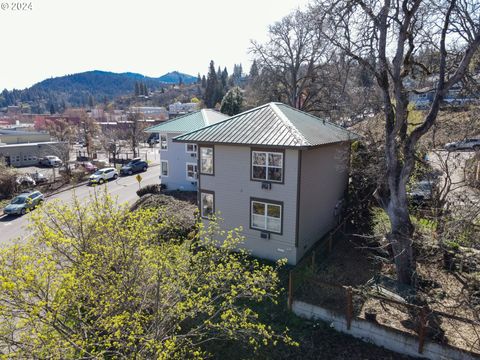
(12, 227)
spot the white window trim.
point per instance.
(267, 165)
(191, 152)
(266, 216)
(161, 168)
(196, 171)
(166, 142)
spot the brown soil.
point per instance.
(350, 264)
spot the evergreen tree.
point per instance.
(52, 109)
(254, 70)
(232, 102)
(204, 82)
(137, 88)
(199, 79)
(211, 90)
(91, 102)
(145, 89)
(224, 78)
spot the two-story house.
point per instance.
(178, 162)
(276, 171)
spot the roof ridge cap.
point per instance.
(172, 120)
(295, 132)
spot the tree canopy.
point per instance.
(95, 281)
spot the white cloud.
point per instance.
(150, 37)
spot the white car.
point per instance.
(467, 144)
(51, 160)
(103, 175)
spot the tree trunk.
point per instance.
(400, 237)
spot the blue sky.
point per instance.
(151, 37)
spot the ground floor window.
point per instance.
(266, 215)
(164, 167)
(207, 203)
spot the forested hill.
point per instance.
(79, 89)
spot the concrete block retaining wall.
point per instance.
(390, 339)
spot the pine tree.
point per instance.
(211, 90)
(52, 109)
(204, 82)
(224, 78)
(90, 101)
(253, 70)
(199, 79)
(137, 88)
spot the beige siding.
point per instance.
(323, 181)
(233, 190)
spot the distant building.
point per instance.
(178, 108)
(21, 137)
(29, 154)
(150, 112)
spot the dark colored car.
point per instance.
(134, 166)
(24, 202)
(421, 192)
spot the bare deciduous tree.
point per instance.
(385, 36)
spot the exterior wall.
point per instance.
(233, 189)
(29, 154)
(22, 138)
(177, 158)
(323, 182)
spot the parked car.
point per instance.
(421, 192)
(467, 144)
(89, 167)
(102, 175)
(25, 180)
(136, 165)
(39, 177)
(24, 202)
(50, 160)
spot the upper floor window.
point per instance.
(163, 142)
(191, 171)
(267, 166)
(206, 160)
(191, 148)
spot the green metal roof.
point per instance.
(272, 124)
(188, 122)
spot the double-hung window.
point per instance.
(267, 166)
(164, 168)
(163, 142)
(207, 203)
(266, 215)
(206, 160)
(191, 148)
(191, 171)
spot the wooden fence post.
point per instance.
(290, 290)
(349, 313)
(422, 328)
